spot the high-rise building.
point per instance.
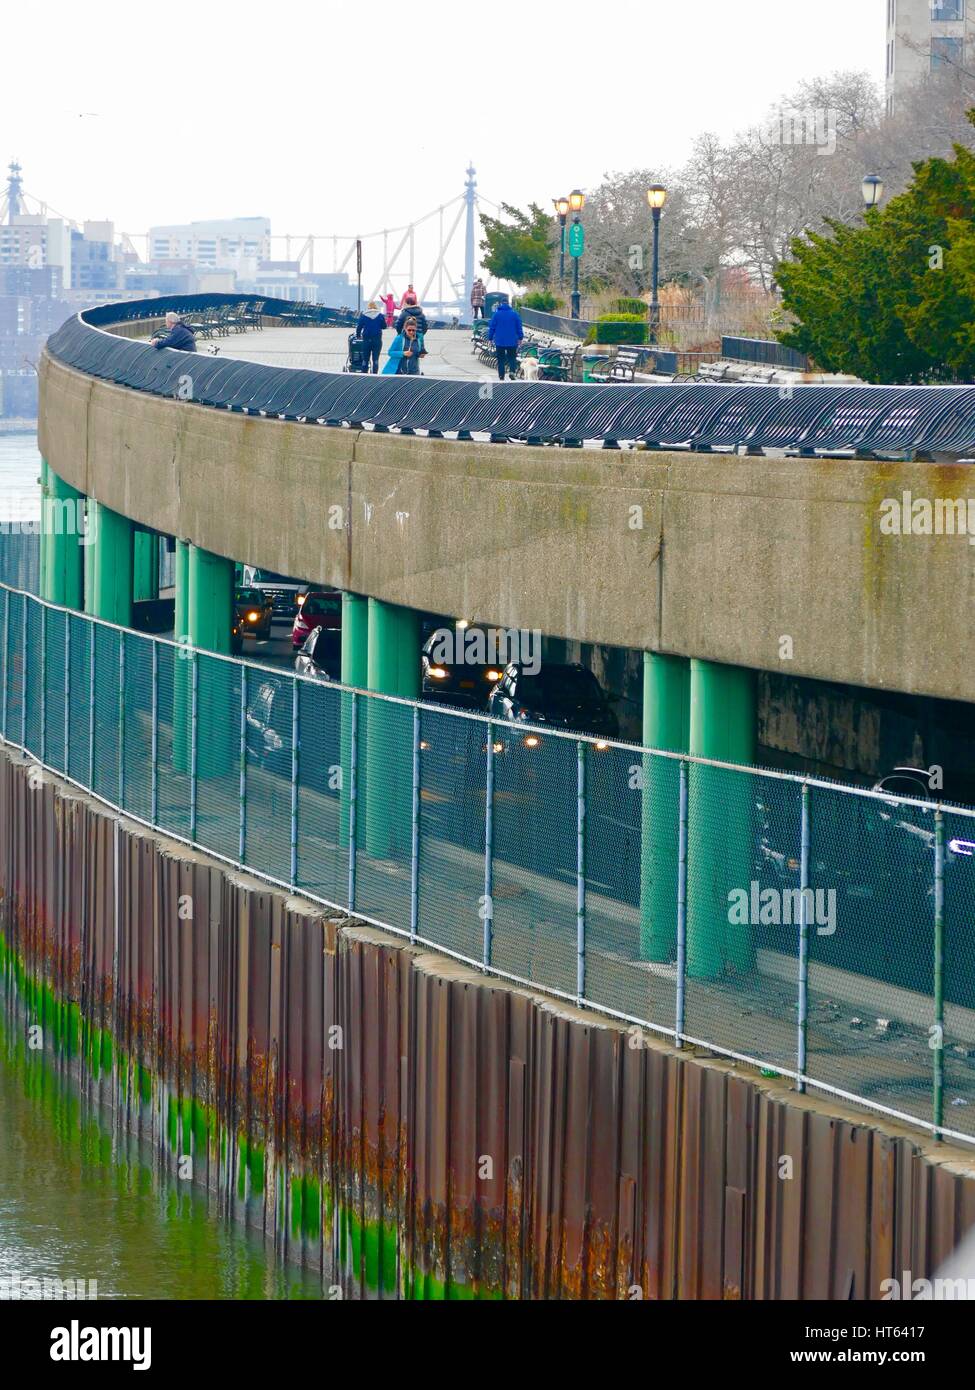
(924, 36)
(229, 244)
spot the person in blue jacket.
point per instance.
(370, 329)
(405, 352)
(177, 335)
(505, 332)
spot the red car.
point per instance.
(318, 608)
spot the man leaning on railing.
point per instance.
(177, 336)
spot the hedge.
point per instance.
(620, 328)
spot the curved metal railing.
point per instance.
(930, 421)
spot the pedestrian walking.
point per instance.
(405, 352)
(477, 298)
(388, 301)
(370, 330)
(505, 332)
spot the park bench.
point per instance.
(621, 367)
(712, 371)
(252, 313)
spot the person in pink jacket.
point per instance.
(409, 297)
(388, 301)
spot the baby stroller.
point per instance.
(357, 359)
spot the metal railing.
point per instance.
(815, 931)
(764, 352)
(891, 419)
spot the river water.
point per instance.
(78, 1200)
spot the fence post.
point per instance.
(194, 742)
(681, 905)
(67, 694)
(415, 831)
(939, 973)
(353, 793)
(121, 721)
(154, 771)
(294, 782)
(580, 871)
(242, 783)
(91, 705)
(6, 655)
(23, 681)
(43, 683)
(803, 1010)
(487, 906)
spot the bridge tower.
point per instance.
(15, 185)
(470, 197)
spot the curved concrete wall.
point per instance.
(702, 555)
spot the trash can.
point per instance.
(591, 362)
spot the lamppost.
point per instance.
(656, 197)
(561, 206)
(872, 189)
(577, 201)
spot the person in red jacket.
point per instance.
(409, 297)
(388, 301)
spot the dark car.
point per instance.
(566, 696)
(317, 608)
(252, 614)
(464, 683)
(321, 655)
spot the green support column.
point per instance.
(182, 667)
(62, 551)
(666, 717)
(145, 578)
(720, 818)
(393, 669)
(109, 595)
(43, 556)
(211, 598)
(355, 671)
(355, 640)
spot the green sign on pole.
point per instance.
(577, 239)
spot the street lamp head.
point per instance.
(872, 189)
(577, 200)
(656, 196)
(561, 206)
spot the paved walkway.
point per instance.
(326, 349)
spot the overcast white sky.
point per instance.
(347, 118)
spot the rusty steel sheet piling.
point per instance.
(415, 1129)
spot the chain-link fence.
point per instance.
(819, 932)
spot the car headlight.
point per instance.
(492, 675)
(253, 617)
(439, 673)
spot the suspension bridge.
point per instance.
(436, 252)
